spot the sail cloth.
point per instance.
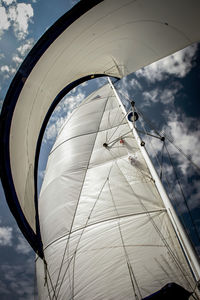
(105, 230)
(111, 37)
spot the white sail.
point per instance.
(112, 37)
(106, 232)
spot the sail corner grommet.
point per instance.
(142, 143)
(105, 145)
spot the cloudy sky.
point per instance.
(167, 93)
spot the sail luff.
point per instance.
(182, 236)
(122, 242)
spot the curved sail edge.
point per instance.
(107, 37)
(105, 229)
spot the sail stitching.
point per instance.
(139, 171)
(120, 136)
(79, 197)
(83, 229)
(90, 214)
(113, 120)
(164, 146)
(74, 111)
(131, 273)
(107, 220)
(47, 275)
(118, 126)
(176, 260)
(162, 237)
(77, 136)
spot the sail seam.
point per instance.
(77, 206)
(130, 269)
(75, 110)
(176, 260)
(107, 220)
(91, 211)
(89, 133)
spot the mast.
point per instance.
(182, 236)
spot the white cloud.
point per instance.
(84, 84)
(8, 2)
(41, 174)
(165, 96)
(61, 113)
(100, 81)
(177, 64)
(186, 140)
(7, 70)
(18, 60)
(4, 22)
(2, 55)
(134, 83)
(22, 246)
(23, 49)
(19, 280)
(53, 129)
(20, 15)
(6, 236)
(74, 2)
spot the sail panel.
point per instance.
(106, 232)
(96, 261)
(110, 37)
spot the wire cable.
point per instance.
(183, 195)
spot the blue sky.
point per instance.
(167, 92)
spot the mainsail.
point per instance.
(100, 227)
(105, 229)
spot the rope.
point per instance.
(118, 126)
(170, 251)
(88, 217)
(163, 134)
(86, 223)
(171, 140)
(67, 243)
(117, 139)
(47, 270)
(46, 279)
(193, 291)
(162, 155)
(167, 182)
(147, 133)
(183, 195)
(161, 174)
(131, 273)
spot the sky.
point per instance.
(167, 93)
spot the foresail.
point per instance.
(105, 230)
